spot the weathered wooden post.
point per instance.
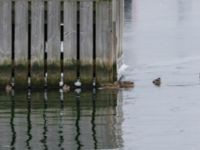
(5, 42)
(37, 42)
(60, 40)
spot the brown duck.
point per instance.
(117, 85)
(8, 88)
(66, 88)
(157, 82)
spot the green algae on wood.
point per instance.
(5, 42)
(86, 42)
(21, 74)
(37, 43)
(70, 72)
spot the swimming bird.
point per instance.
(157, 82)
(114, 85)
(77, 83)
(8, 88)
(118, 85)
(126, 84)
(66, 88)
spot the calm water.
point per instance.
(161, 39)
(53, 120)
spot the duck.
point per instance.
(118, 85)
(8, 88)
(126, 84)
(157, 81)
(77, 83)
(66, 88)
(114, 85)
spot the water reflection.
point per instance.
(12, 125)
(79, 145)
(57, 120)
(183, 7)
(128, 9)
(45, 127)
(29, 126)
(93, 121)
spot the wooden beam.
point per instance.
(53, 43)
(37, 43)
(5, 42)
(86, 42)
(21, 43)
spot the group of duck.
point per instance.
(126, 84)
(115, 85)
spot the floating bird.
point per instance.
(114, 85)
(8, 88)
(61, 83)
(126, 84)
(77, 83)
(66, 88)
(157, 82)
(118, 84)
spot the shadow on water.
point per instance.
(57, 120)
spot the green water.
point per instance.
(56, 120)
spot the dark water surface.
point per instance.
(53, 120)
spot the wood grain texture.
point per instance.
(86, 41)
(5, 42)
(70, 41)
(53, 43)
(37, 43)
(121, 10)
(21, 43)
(104, 49)
(108, 21)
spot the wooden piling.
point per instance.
(86, 42)
(70, 41)
(60, 39)
(37, 44)
(53, 43)
(5, 42)
(104, 42)
(21, 43)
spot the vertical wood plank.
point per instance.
(70, 41)
(104, 50)
(5, 42)
(37, 43)
(121, 9)
(21, 42)
(120, 24)
(115, 18)
(86, 42)
(53, 43)
(118, 28)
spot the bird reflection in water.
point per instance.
(45, 124)
(60, 131)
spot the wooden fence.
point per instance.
(47, 41)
